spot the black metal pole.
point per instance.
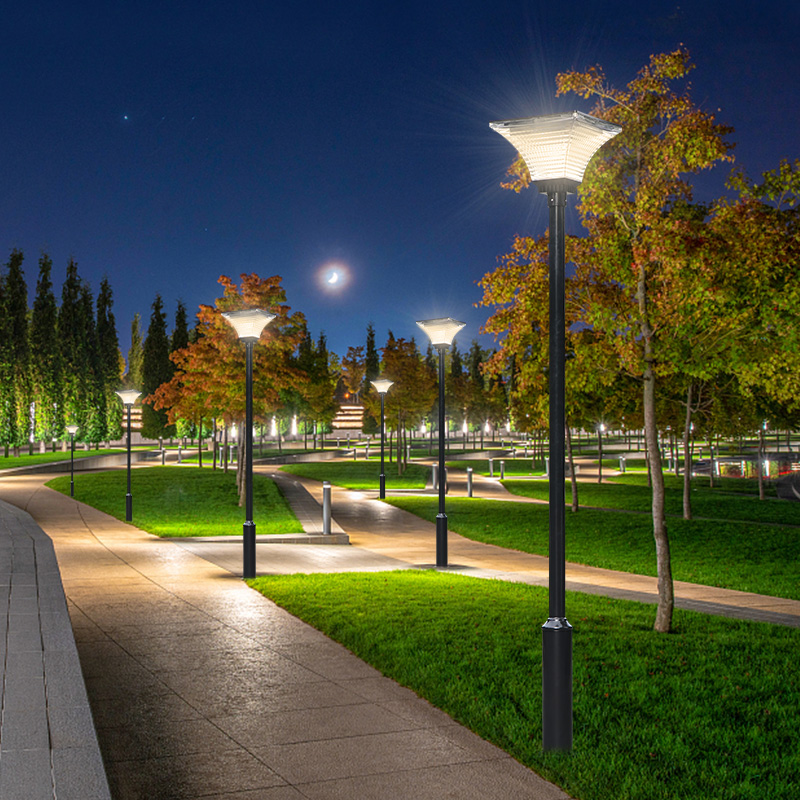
(557, 632)
(383, 439)
(72, 465)
(129, 497)
(249, 531)
(441, 517)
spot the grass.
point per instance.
(631, 493)
(707, 713)
(186, 501)
(50, 457)
(361, 475)
(513, 466)
(734, 555)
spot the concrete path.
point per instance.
(201, 687)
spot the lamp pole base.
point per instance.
(441, 540)
(128, 508)
(383, 486)
(557, 685)
(249, 543)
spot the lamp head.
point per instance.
(382, 385)
(128, 396)
(557, 148)
(441, 331)
(249, 323)
(72, 429)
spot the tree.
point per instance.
(372, 369)
(156, 370)
(17, 352)
(180, 331)
(133, 375)
(109, 362)
(71, 334)
(91, 387)
(46, 366)
(631, 203)
(210, 375)
(353, 370)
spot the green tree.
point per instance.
(157, 369)
(46, 366)
(180, 331)
(74, 361)
(109, 363)
(372, 369)
(133, 375)
(18, 352)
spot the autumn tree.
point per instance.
(210, 372)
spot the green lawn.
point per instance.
(50, 457)
(710, 712)
(745, 556)
(361, 475)
(631, 493)
(185, 501)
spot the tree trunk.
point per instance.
(687, 456)
(666, 595)
(573, 482)
(760, 462)
(713, 461)
(225, 449)
(200, 443)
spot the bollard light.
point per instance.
(441, 332)
(557, 149)
(249, 324)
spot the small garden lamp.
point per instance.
(128, 397)
(441, 333)
(382, 385)
(556, 149)
(249, 324)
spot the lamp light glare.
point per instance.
(128, 396)
(441, 331)
(557, 146)
(249, 323)
(382, 385)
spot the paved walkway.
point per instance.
(200, 687)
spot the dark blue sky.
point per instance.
(164, 144)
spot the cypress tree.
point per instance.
(372, 369)
(133, 375)
(180, 332)
(6, 381)
(73, 361)
(156, 369)
(46, 363)
(109, 361)
(91, 387)
(18, 351)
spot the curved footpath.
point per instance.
(201, 687)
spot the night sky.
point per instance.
(164, 144)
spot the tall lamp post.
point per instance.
(249, 325)
(128, 397)
(557, 149)
(382, 385)
(72, 430)
(441, 333)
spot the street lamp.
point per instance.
(248, 325)
(382, 385)
(441, 333)
(128, 397)
(557, 149)
(72, 430)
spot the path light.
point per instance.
(381, 387)
(249, 325)
(441, 333)
(557, 149)
(129, 397)
(72, 430)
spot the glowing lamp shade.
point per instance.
(128, 396)
(557, 146)
(382, 385)
(441, 331)
(249, 323)
(72, 429)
